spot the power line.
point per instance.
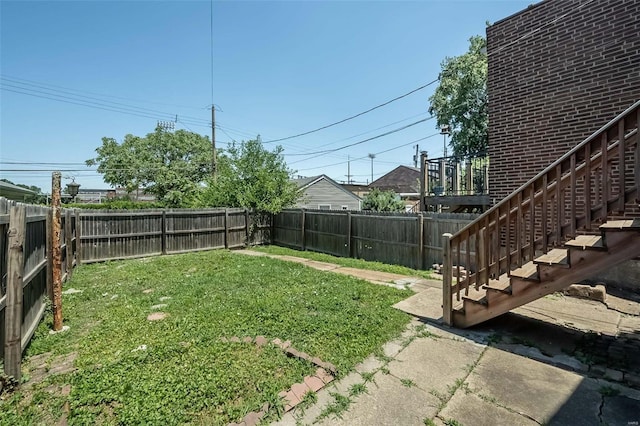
(319, 153)
(356, 115)
(376, 153)
(306, 151)
(86, 99)
(36, 83)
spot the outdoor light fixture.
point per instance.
(72, 189)
(445, 130)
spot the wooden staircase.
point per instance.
(571, 221)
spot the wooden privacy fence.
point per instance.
(408, 239)
(109, 235)
(26, 268)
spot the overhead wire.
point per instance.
(319, 153)
(356, 115)
(376, 153)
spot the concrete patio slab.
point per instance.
(470, 409)
(426, 304)
(388, 402)
(537, 390)
(578, 314)
(435, 364)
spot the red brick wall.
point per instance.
(551, 89)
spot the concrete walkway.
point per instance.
(556, 361)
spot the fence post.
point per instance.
(78, 239)
(348, 234)
(226, 228)
(447, 272)
(246, 225)
(163, 235)
(420, 241)
(68, 242)
(302, 242)
(15, 272)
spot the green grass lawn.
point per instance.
(344, 261)
(187, 374)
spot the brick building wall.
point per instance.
(552, 84)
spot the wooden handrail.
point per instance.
(534, 217)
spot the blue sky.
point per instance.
(279, 69)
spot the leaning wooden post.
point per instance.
(56, 252)
(447, 274)
(13, 310)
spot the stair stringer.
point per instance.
(621, 246)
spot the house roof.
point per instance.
(402, 179)
(14, 192)
(353, 187)
(306, 182)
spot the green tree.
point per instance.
(170, 165)
(382, 201)
(460, 101)
(250, 176)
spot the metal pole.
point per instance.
(213, 142)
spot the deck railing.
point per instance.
(594, 180)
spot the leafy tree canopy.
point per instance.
(250, 176)
(382, 201)
(169, 165)
(460, 101)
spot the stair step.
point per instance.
(555, 257)
(528, 272)
(476, 297)
(587, 242)
(621, 225)
(502, 285)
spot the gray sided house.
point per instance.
(323, 193)
(14, 192)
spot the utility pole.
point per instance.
(416, 156)
(372, 156)
(424, 175)
(213, 142)
(348, 169)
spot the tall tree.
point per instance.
(170, 165)
(460, 101)
(250, 176)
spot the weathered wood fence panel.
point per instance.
(35, 268)
(113, 234)
(408, 239)
(106, 235)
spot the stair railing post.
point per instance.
(447, 274)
